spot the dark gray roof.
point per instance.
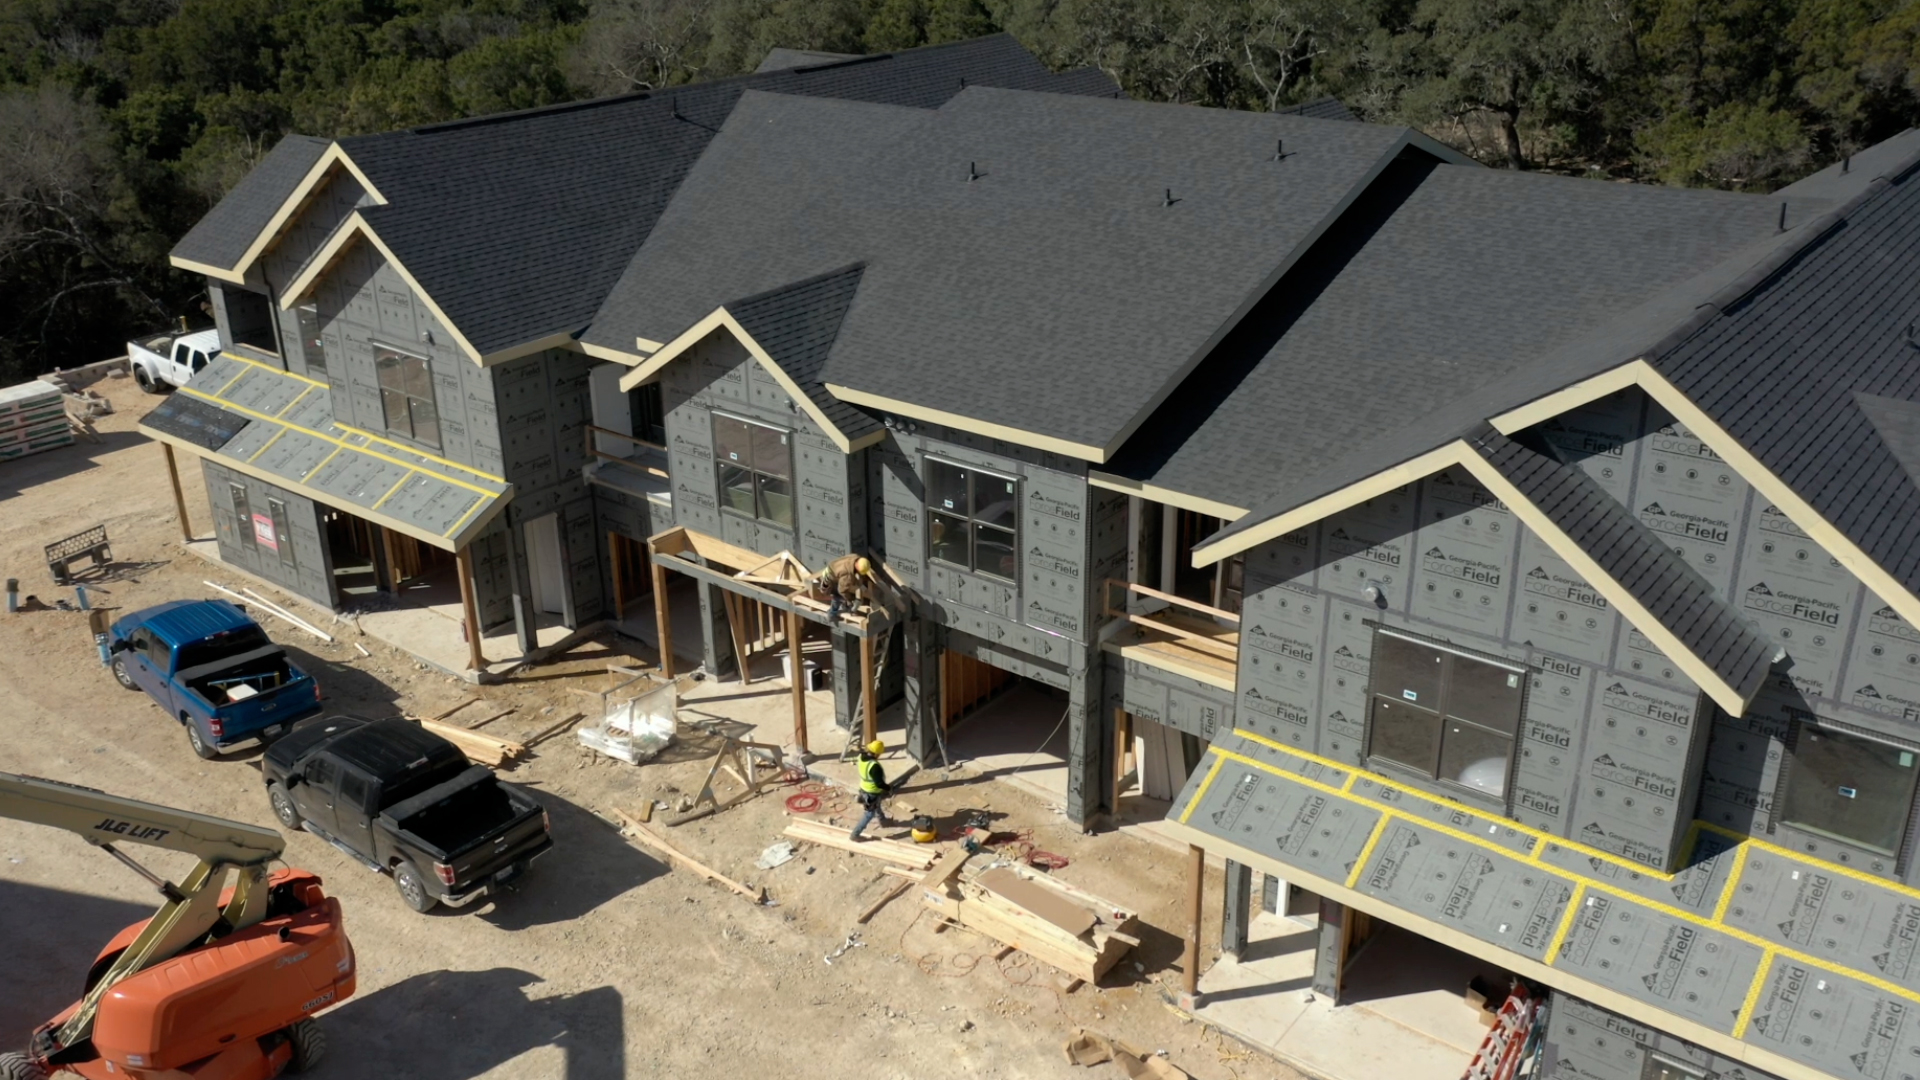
(1326, 108)
(1437, 282)
(1631, 554)
(1898, 423)
(1656, 327)
(223, 236)
(782, 59)
(1058, 293)
(1783, 366)
(1841, 180)
(796, 325)
(517, 225)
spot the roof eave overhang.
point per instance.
(1639, 373)
(1155, 493)
(469, 529)
(356, 227)
(720, 318)
(334, 155)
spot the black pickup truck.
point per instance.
(405, 802)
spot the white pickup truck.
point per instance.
(163, 361)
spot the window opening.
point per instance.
(755, 463)
(973, 519)
(406, 396)
(1444, 714)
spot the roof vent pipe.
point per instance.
(1846, 164)
(1170, 199)
(1279, 149)
(973, 173)
(1783, 217)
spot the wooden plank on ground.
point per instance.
(874, 908)
(640, 832)
(911, 855)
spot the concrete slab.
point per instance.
(1262, 999)
(1019, 737)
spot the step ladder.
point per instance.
(1505, 1047)
(856, 730)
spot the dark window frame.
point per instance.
(242, 501)
(1900, 857)
(313, 347)
(282, 532)
(1656, 1063)
(969, 518)
(1440, 713)
(418, 405)
(763, 484)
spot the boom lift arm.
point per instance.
(191, 912)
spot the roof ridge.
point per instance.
(1781, 258)
(856, 266)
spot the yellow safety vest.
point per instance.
(869, 785)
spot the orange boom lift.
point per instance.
(221, 983)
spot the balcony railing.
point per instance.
(642, 469)
(1172, 632)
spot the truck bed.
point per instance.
(452, 820)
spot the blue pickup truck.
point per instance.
(210, 667)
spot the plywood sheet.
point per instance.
(1038, 899)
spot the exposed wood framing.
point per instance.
(179, 499)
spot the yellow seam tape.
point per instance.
(1566, 922)
(1201, 793)
(1598, 886)
(396, 487)
(1733, 882)
(297, 399)
(464, 518)
(228, 385)
(270, 367)
(1753, 995)
(339, 443)
(1360, 864)
(263, 446)
(449, 463)
(1408, 789)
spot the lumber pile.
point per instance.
(1048, 919)
(33, 418)
(912, 856)
(480, 747)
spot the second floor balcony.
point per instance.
(1173, 633)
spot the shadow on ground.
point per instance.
(589, 865)
(454, 1025)
(50, 937)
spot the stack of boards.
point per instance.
(33, 417)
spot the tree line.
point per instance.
(123, 121)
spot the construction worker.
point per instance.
(847, 580)
(873, 788)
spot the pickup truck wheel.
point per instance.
(413, 888)
(206, 750)
(20, 1067)
(283, 807)
(309, 1045)
(147, 381)
(120, 674)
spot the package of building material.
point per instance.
(1042, 916)
(33, 417)
(636, 730)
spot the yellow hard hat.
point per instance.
(863, 566)
(876, 748)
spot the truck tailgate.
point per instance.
(472, 823)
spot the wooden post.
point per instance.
(1190, 958)
(619, 587)
(463, 563)
(393, 561)
(799, 681)
(662, 621)
(1121, 738)
(869, 692)
(179, 499)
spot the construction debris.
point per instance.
(777, 854)
(885, 898)
(272, 609)
(636, 831)
(638, 714)
(480, 748)
(853, 942)
(1088, 1049)
(1055, 923)
(753, 764)
(914, 856)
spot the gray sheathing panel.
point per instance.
(309, 570)
(1695, 887)
(1863, 926)
(268, 396)
(313, 410)
(1836, 1024)
(434, 504)
(1583, 1041)
(251, 440)
(1683, 968)
(1446, 813)
(357, 480)
(1164, 697)
(294, 455)
(1492, 897)
(1289, 821)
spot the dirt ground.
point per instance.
(603, 963)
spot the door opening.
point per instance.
(547, 564)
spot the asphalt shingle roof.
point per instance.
(1783, 370)
(1057, 293)
(796, 325)
(1630, 553)
(518, 225)
(1326, 108)
(230, 228)
(1436, 282)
